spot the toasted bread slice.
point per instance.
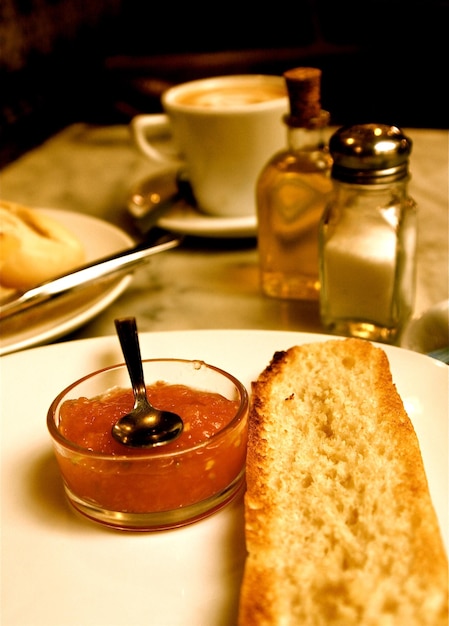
(340, 527)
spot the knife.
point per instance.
(119, 262)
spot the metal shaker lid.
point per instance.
(370, 154)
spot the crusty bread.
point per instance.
(339, 524)
(34, 247)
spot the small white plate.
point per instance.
(59, 569)
(48, 322)
(187, 220)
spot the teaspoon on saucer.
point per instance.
(153, 197)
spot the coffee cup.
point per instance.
(221, 131)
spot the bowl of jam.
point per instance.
(156, 488)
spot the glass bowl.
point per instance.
(152, 488)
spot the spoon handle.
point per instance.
(129, 340)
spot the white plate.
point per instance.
(100, 239)
(185, 219)
(61, 570)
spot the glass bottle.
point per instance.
(368, 235)
(291, 193)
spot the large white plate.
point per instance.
(99, 239)
(60, 570)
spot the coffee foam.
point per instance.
(234, 96)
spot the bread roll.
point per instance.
(339, 524)
(34, 247)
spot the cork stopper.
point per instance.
(304, 92)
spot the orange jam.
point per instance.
(202, 462)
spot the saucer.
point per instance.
(182, 217)
(187, 220)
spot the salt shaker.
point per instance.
(367, 236)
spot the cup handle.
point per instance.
(153, 127)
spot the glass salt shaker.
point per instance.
(368, 235)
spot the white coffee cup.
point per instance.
(223, 130)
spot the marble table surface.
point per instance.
(205, 283)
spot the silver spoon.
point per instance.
(145, 426)
(151, 199)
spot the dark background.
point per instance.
(103, 61)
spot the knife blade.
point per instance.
(119, 262)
